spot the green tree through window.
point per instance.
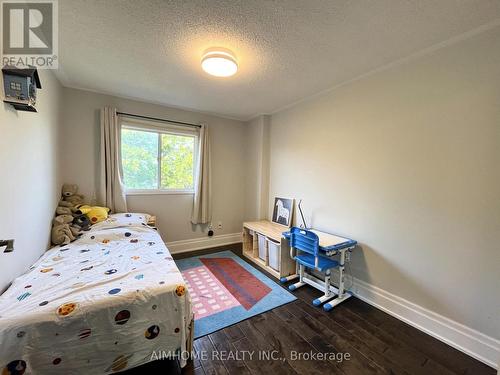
(177, 161)
(140, 159)
(144, 169)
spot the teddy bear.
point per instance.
(68, 224)
(63, 210)
(96, 214)
(61, 231)
(68, 219)
(70, 198)
(82, 222)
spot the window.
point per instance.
(157, 159)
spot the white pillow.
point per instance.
(122, 220)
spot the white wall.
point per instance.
(29, 181)
(256, 151)
(81, 163)
(407, 162)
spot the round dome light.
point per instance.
(219, 62)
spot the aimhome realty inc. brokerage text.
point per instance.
(251, 355)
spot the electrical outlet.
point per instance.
(219, 225)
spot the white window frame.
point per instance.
(160, 128)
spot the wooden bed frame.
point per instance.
(152, 222)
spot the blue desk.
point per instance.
(330, 245)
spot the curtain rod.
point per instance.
(159, 119)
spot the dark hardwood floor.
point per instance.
(375, 342)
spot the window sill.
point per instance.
(159, 192)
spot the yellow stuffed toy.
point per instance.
(95, 214)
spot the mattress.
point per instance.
(112, 300)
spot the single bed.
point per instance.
(112, 300)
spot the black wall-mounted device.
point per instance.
(9, 245)
(20, 85)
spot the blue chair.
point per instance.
(306, 243)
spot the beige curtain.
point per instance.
(111, 193)
(202, 200)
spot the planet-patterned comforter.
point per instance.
(112, 300)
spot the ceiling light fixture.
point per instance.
(219, 62)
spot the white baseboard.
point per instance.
(474, 343)
(183, 246)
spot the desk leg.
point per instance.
(330, 305)
(328, 293)
(342, 295)
(341, 274)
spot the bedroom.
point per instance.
(380, 118)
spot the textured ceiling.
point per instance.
(287, 50)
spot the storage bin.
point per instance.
(273, 249)
(262, 246)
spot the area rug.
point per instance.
(225, 290)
